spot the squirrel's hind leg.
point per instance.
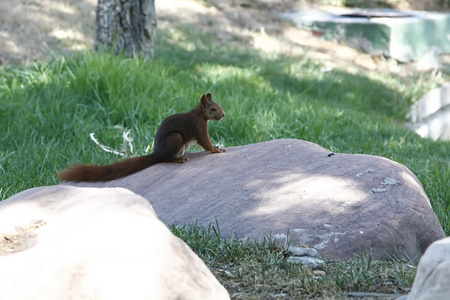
(171, 148)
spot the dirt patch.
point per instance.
(39, 29)
(36, 29)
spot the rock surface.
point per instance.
(433, 273)
(63, 242)
(340, 204)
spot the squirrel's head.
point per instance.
(210, 109)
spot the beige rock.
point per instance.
(433, 273)
(341, 205)
(62, 242)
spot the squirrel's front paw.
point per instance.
(219, 150)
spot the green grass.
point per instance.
(48, 110)
(259, 270)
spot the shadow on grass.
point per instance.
(297, 76)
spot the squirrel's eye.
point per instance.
(212, 108)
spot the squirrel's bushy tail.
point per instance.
(108, 172)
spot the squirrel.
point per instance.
(173, 138)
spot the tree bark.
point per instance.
(127, 26)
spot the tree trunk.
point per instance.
(127, 26)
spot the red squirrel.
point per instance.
(173, 138)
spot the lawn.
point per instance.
(48, 110)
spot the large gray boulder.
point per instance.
(63, 242)
(341, 204)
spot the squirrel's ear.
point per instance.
(209, 97)
(203, 101)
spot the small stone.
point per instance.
(319, 273)
(301, 251)
(307, 261)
